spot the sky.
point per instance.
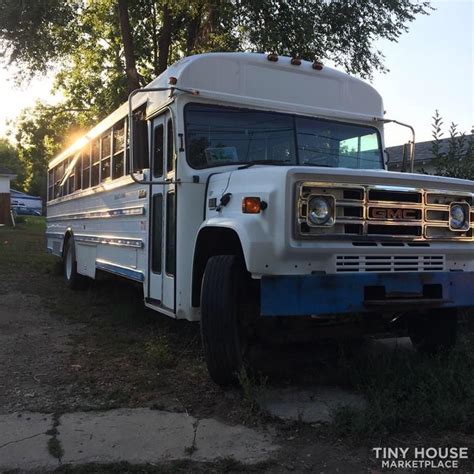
(431, 67)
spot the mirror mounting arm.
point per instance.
(130, 124)
(412, 144)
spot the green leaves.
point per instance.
(83, 41)
(33, 34)
(456, 157)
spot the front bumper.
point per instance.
(304, 295)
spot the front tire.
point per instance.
(71, 277)
(435, 332)
(221, 332)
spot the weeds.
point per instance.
(407, 391)
(252, 390)
(158, 352)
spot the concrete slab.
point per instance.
(314, 405)
(152, 436)
(133, 435)
(23, 442)
(217, 440)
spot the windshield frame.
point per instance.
(297, 155)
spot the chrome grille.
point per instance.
(384, 212)
(389, 263)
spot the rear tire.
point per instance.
(435, 332)
(221, 332)
(71, 277)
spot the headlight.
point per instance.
(459, 216)
(321, 210)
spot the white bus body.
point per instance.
(392, 240)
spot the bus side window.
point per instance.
(71, 180)
(51, 185)
(141, 158)
(58, 176)
(79, 172)
(170, 147)
(86, 167)
(158, 155)
(95, 160)
(105, 159)
(127, 147)
(118, 145)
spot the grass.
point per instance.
(407, 391)
(23, 247)
(127, 355)
(252, 387)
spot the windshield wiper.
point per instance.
(263, 162)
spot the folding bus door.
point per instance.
(162, 257)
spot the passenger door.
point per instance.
(162, 237)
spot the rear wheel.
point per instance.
(435, 332)
(221, 324)
(72, 278)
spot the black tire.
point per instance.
(71, 277)
(221, 333)
(435, 332)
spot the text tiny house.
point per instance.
(253, 195)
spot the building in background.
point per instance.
(6, 176)
(423, 156)
(24, 204)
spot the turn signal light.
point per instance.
(251, 205)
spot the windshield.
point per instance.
(217, 136)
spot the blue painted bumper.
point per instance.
(303, 295)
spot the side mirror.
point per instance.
(141, 155)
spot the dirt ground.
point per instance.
(63, 351)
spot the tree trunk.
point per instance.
(164, 41)
(133, 79)
(192, 31)
(154, 36)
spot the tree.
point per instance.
(457, 158)
(9, 159)
(34, 34)
(103, 49)
(41, 132)
(141, 38)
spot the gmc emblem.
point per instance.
(394, 214)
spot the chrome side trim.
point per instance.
(54, 235)
(103, 214)
(107, 240)
(120, 270)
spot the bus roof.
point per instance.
(250, 79)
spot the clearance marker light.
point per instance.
(318, 65)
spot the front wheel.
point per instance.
(221, 329)
(435, 332)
